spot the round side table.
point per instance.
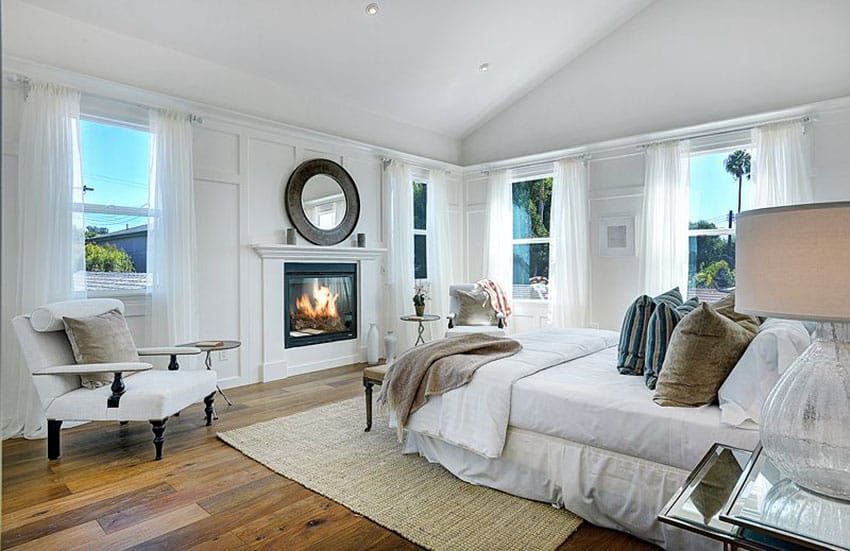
(209, 348)
(421, 329)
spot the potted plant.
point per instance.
(421, 293)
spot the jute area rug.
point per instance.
(326, 450)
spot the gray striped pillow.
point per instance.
(632, 350)
(660, 329)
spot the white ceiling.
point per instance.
(415, 62)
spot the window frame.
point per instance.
(528, 176)
(417, 231)
(107, 112)
(712, 145)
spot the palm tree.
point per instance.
(738, 165)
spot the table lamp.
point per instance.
(794, 262)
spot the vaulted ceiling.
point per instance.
(415, 62)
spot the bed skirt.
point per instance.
(605, 488)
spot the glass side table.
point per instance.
(769, 505)
(697, 504)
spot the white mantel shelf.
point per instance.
(275, 251)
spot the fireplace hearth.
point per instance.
(320, 303)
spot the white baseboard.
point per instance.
(273, 371)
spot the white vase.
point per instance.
(372, 345)
(390, 341)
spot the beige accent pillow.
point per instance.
(104, 338)
(726, 307)
(703, 350)
(474, 308)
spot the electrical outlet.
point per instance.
(222, 356)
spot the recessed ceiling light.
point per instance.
(372, 9)
(484, 67)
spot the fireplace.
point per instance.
(320, 303)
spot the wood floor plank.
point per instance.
(203, 495)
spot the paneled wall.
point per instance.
(616, 188)
(241, 166)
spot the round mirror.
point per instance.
(323, 202)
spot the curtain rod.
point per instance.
(385, 162)
(583, 157)
(804, 119)
(26, 81)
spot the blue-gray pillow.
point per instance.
(660, 329)
(631, 353)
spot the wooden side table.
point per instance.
(209, 348)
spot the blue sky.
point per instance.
(115, 162)
(713, 191)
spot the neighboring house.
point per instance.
(134, 241)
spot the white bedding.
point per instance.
(587, 401)
(475, 416)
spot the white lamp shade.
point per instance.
(794, 262)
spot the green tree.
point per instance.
(738, 165)
(94, 231)
(718, 275)
(107, 258)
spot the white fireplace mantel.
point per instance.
(319, 253)
(277, 360)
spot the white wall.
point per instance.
(41, 35)
(241, 166)
(616, 188)
(680, 63)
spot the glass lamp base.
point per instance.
(805, 428)
(796, 510)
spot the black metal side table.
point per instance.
(214, 346)
(421, 329)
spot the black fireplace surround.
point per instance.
(320, 303)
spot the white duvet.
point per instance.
(475, 417)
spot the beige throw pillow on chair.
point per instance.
(100, 339)
(474, 308)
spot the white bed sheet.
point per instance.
(588, 402)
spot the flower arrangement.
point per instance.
(421, 293)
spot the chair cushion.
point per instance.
(474, 308)
(104, 338)
(49, 317)
(457, 331)
(150, 395)
(375, 372)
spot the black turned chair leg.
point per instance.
(209, 409)
(122, 423)
(53, 429)
(158, 428)
(368, 387)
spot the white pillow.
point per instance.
(778, 343)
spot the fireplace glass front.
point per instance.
(321, 303)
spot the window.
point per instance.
(115, 162)
(718, 189)
(420, 237)
(532, 206)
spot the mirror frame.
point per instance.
(295, 209)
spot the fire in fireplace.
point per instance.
(321, 303)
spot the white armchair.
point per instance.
(137, 392)
(497, 328)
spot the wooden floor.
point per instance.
(105, 492)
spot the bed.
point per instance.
(557, 423)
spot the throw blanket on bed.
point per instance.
(475, 416)
(498, 298)
(436, 368)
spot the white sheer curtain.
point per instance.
(400, 277)
(498, 251)
(172, 250)
(780, 171)
(569, 262)
(664, 227)
(440, 257)
(50, 237)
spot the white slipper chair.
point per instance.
(141, 394)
